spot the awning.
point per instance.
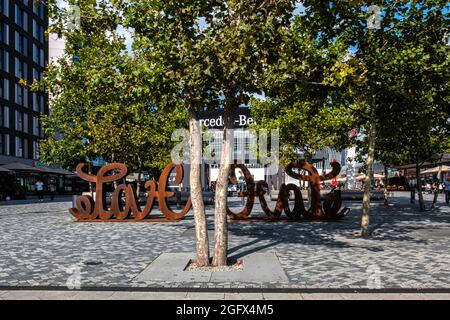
(4, 170)
(20, 167)
(363, 177)
(54, 171)
(435, 170)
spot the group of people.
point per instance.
(40, 189)
(446, 186)
(431, 188)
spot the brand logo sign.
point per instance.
(215, 119)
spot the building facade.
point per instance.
(244, 148)
(23, 56)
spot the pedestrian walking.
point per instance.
(447, 190)
(39, 185)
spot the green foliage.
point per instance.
(306, 93)
(401, 70)
(96, 96)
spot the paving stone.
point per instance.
(42, 246)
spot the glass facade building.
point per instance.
(23, 56)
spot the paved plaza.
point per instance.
(42, 247)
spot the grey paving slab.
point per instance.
(205, 296)
(243, 296)
(322, 296)
(54, 295)
(171, 267)
(257, 268)
(124, 295)
(21, 295)
(42, 246)
(282, 296)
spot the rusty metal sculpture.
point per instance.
(88, 209)
(328, 211)
(249, 194)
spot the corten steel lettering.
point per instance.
(250, 193)
(329, 210)
(89, 209)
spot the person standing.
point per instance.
(52, 190)
(447, 190)
(39, 185)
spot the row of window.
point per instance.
(21, 96)
(38, 7)
(21, 45)
(21, 121)
(21, 147)
(20, 40)
(21, 67)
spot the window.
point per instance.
(38, 103)
(6, 142)
(21, 43)
(36, 74)
(4, 117)
(4, 7)
(38, 55)
(36, 150)
(19, 121)
(38, 31)
(38, 9)
(4, 60)
(25, 122)
(19, 147)
(4, 88)
(36, 126)
(20, 69)
(4, 33)
(21, 96)
(35, 102)
(25, 148)
(21, 18)
(18, 94)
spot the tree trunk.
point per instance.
(386, 182)
(369, 176)
(201, 225)
(220, 216)
(436, 190)
(419, 188)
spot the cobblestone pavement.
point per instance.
(41, 246)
